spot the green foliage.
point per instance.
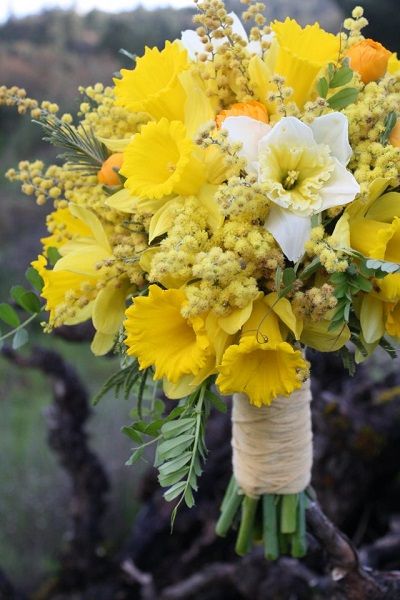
(123, 380)
(83, 151)
(180, 439)
(347, 285)
(390, 122)
(26, 300)
(338, 78)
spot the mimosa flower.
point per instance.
(161, 160)
(301, 169)
(299, 54)
(153, 86)
(194, 46)
(370, 59)
(158, 335)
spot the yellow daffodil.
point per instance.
(158, 335)
(262, 365)
(161, 161)
(153, 86)
(300, 54)
(78, 289)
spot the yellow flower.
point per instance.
(375, 239)
(392, 323)
(262, 365)
(369, 59)
(77, 290)
(161, 160)
(393, 64)
(63, 226)
(301, 54)
(159, 336)
(153, 86)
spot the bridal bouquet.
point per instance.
(232, 200)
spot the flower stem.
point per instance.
(245, 537)
(270, 527)
(229, 508)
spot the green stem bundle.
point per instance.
(277, 521)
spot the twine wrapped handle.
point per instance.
(272, 445)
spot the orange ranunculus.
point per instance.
(394, 138)
(108, 174)
(370, 59)
(252, 109)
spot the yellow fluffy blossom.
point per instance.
(161, 160)
(159, 336)
(153, 86)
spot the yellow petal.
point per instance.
(263, 323)
(283, 308)
(385, 208)
(115, 145)
(164, 218)
(371, 319)
(236, 319)
(109, 307)
(340, 237)
(102, 343)
(206, 196)
(219, 338)
(83, 261)
(198, 107)
(317, 335)
(94, 224)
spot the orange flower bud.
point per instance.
(370, 59)
(394, 138)
(108, 173)
(252, 109)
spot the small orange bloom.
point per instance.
(394, 138)
(108, 174)
(252, 109)
(370, 59)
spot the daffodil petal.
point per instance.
(333, 130)
(109, 307)
(290, 131)
(94, 224)
(290, 231)
(371, 319)
(249, 133)
(341, 189)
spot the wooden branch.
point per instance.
(66, 420)
(352, 579)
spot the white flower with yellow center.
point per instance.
(302, 170)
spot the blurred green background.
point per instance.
(50, 55)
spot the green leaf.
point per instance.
(348, 360)
(34, 279)
(174, 428)
(342, 76)
(173, 447)
(165, 480)
(388, 348)
(135, 457)
(20, 338)
(53, 256)
(177, 463)
(343, 98)
(174, 491)
(26, 300)
(390, 122)
(217, 402)
(133, 434)
(323, 87)
(289, 277)
(8, 315)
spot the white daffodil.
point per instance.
(302, 169)
(194, 46)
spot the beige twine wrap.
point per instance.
(272, 445)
